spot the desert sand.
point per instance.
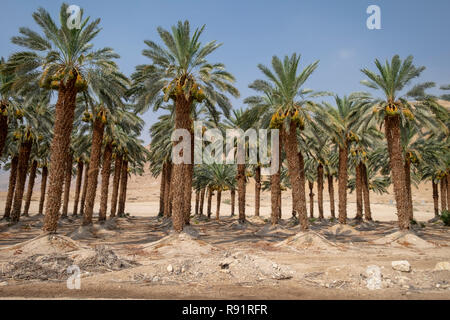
(139, 257)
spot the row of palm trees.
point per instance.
(329, 137)
(90, 126)
(94, 126)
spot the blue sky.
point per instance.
(252, 31)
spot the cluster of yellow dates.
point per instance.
(53, 82)
(278, 118)
(88, 117)
(175, 88)
(28, 136)
(412, 157)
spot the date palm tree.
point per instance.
(64, 60)
(340, 124)
(395, 111)
(180, 71)
(285, 83)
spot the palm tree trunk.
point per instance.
(311, 199)
(182, 121)
(241, 191)
(84, 192)
(123, 189)
(301, 163)
(67, 181)
(366, 194)
(435, 198)
(448, 191)
(443, 194)
(64, 115)
(188, 174)
(106, 172)
(331, 194)
(197, 201)
(320, 190)
(162, 187)
(342, 187)
(219, 198)
(409, 204)
(11, 186)
(233, 201)
(167, 190)
(392, 132)
(290, 144)
(257, 190)
(31, 180)
(94, 165)
(208, 208)
(274, 194)
(359, 197)
(22, 168)
(116, 182)
(202, 200)
(3, 128)
(44, 177)
(80, 166)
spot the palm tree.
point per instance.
(11, 152)
(218, 177)
(284, 85)
(340, 123)
(395, 111)
(62, 60)
(181, 72)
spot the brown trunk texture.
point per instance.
(320, 190)
(241, 191)
(182, 121)
(219, 199)
(94, 167)
(342, 184)
(233, 201)
(64, 115)
(366, 194)
(167, 190)
(44, 177)
(11, 186)
(162, 187)
(31, 180)
(188, 175)
(208, 208)
(80, 166)
(84, 192)
(67, 181)
(116, 182)
(202, 200)
(443, 194)
(290, 144)
(435, 199)
(311, 199)
(123, 189)
(448, 191)
(301, 163)
(197, 201)
(22, 168)
(106, 172)
(331, 194)
(257, 190)
(3, 132)
(358, 186)
(392, 131)
(409, 204)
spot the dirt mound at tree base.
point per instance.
(274, 231)
(256, 219)
(45, 244)
(309, 240)
(341, 230)
(93, 231)
(184, 243)
(404, 239)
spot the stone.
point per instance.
(443, 265)
(169, 268)
(373, 281)
(401, 265)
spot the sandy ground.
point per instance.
(138, 257)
